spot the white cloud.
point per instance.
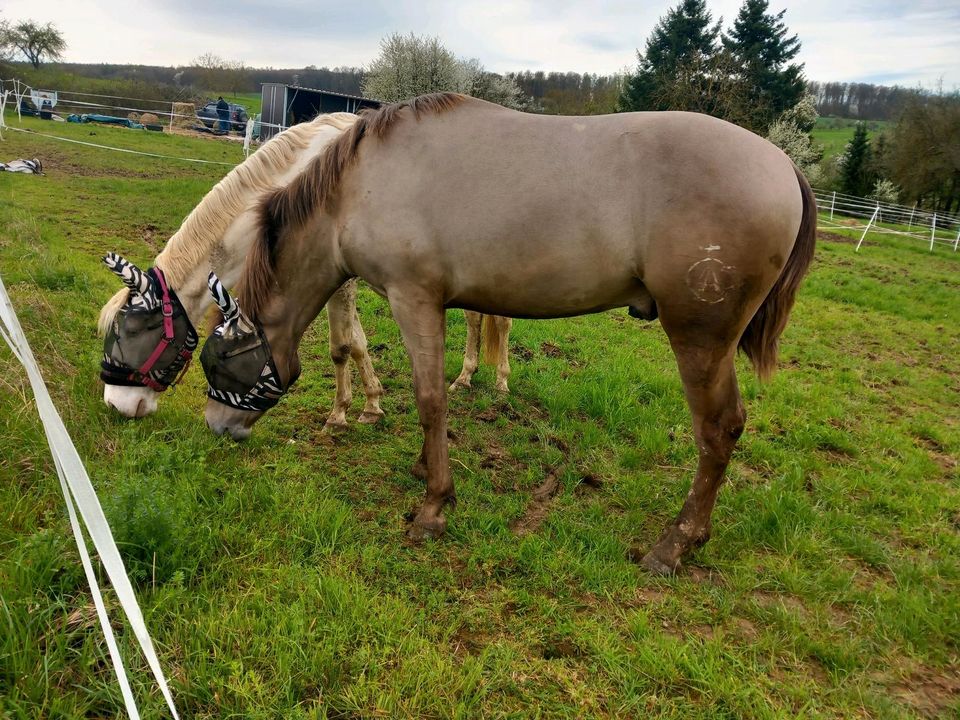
(881, 41)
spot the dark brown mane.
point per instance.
(293, 205)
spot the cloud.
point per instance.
(883, 40)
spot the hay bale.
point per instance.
(133, 117)
(184, 116)
(149, 119)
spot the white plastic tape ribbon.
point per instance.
(78, 489)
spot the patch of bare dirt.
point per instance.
(538, 507)
(524, 354)
(551, 350)
(768, 600)
(929, 692)
(558, 649)
(152, 236)
(650, 596)
(824, 236)
(742, 629)
(467, 642)
(943, 459)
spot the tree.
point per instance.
(762, 52)
(33, 41)
(215, 73)
(855, 178)
(791, 133)
(410, 65)
(923, 153)
(684, 39)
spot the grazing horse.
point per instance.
(216, 236)
(446, 201)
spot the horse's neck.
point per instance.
(226, 257)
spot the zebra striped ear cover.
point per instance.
(234, 321)
(132, 276)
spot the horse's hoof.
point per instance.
(432, 529)
(504, 388)
(458, 385)
(369, 418)
(334, 428)
(652, 563)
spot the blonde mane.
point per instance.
(206, 224)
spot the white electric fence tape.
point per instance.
(77, 487)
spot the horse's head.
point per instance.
(148, 343)
(245, 379)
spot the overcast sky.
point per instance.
(886, 42)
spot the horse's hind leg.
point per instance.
(503, 325)
(710, 383)
(372, 388)
(422, 322)
(471, 352)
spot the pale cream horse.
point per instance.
(217, 234)
(446, 201)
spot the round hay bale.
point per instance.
(184, 116)
(133, 117)
(149, 119)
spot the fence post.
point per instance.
(910, 221)
(879, 214)
(872, 218)
(933, 231)
(957, 241)
(833, 200)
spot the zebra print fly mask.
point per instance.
(237, 360)
(151, 340)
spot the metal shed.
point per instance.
(286, 105)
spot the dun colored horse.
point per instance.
(446, 201)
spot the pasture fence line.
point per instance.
(165, 111)
(81, 497)
(886, 218)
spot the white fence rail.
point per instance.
(881, 217)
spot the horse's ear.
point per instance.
(228, 306)
(132, 276)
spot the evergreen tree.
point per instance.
(685, 36)
(855, 178)
(762, 52)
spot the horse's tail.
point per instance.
(490, 331)
(760, 340)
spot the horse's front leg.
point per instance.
(423, 325)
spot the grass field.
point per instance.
(834, 133)
(274, 575)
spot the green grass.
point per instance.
(274, 575)
(834, 133)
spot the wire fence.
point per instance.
(837, 209)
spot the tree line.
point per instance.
(745, 73)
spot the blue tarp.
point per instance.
(105, 119)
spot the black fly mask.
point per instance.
(237, 360)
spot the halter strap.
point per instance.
(166, 309)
